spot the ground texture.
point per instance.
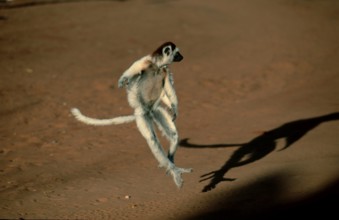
(258, 115)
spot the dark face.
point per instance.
(177, 57)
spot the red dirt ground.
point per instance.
(258, 76)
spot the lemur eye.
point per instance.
(167, 51)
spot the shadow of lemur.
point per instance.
(259, 147)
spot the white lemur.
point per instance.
(149, 83)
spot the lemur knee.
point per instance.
(170, 157)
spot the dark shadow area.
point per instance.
(264, 199)
(259, 147)
(22, 4)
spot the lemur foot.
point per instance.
(176, 174)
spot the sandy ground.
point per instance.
(258, 116)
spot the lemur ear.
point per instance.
(167, 50)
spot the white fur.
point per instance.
(101, 122)
(137, 66)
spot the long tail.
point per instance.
(101, 122)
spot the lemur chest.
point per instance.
(151, 85)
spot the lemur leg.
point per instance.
(146, 128)
(166, 125)
(145, 125)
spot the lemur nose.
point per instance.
(177, 57)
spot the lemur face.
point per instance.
(177, 57)
(167, 53)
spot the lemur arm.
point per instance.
(133, 70)
(170, 97)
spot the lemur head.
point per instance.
(166, 54)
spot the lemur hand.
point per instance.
(123, 81)
(165, 68)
